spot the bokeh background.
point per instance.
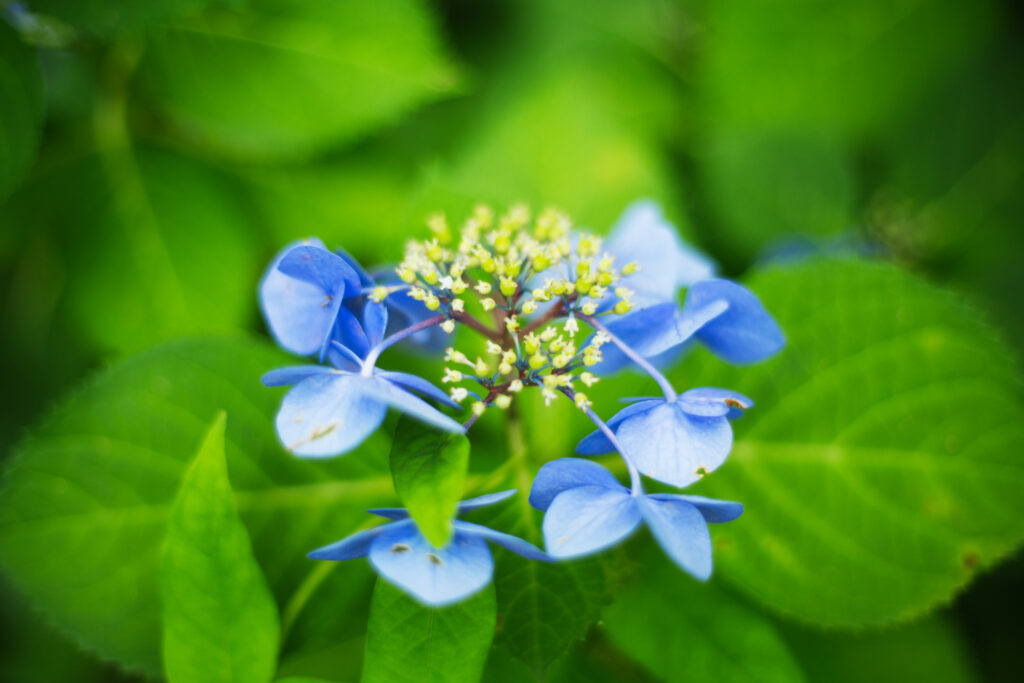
(154, 156)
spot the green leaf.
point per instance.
(682, 630)
(220, 619)
(844, 67)
(924, 650)
(429, 469)
(169, 250)
(21, 117)
(810, 193)
(96, 480)
(289, 78)
(106, 17)
(407, 642)
(882, 464)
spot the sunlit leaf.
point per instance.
(289, 78)
(220, 621)
(96, 480)
(882, 464)
(429, 469)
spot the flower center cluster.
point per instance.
(510, 268)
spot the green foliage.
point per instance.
(682, 630)
(429, 470)
(97, 479)
(409, 643)
(884, 470)
(219, 619)
(106, 17)
(21, 117)
(288, 78)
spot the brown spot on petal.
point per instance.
(435, 559)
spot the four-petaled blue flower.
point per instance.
(402, 555)
(676, 440)
(587, 510)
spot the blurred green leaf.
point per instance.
(21, 116)
(289, 78)
(924, 650)
(219, 619)
(409, 643)
(95, 482)
(771, 184)
(429, 469)
(882, 465)
(156, 246)
(682, 630)
(107, 17)
(841, 67)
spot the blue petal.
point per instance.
(596, 442)
(712, 402)
(390, 513)
(668, 445)
(743, 334)
(286, 377)
(654, 330)
(329, 414)
(587, 519)
(317, 266)
(365, 279)
(506, 541)
(681, 532)
(356, 545)
(349, 332)
(300, 315)
(419, 385)
(400, 399)
(375, 321)
(405, 312)
(434, 576)
(485, 500)
(643, 235)
(568, 473)
(343, 357)
(714, 511)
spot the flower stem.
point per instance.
(374, 354)
(634, 475)
(666, 386)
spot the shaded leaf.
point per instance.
(219, 619)
(21, 116)
(407, 642)
(682, 630)
(882, 465)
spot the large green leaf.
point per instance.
(105, 17)
(169, 249)
(882, 465)
(409, 643)
(682, 630)
(843, 67)
(288, 78)
(220, 622)
(95, 482)
(21, 116)
(429, 470)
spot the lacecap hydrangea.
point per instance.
(560, 309)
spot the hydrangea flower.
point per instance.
(403, 556)
(588, 510)
(677, 440)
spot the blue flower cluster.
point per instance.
(538, 281)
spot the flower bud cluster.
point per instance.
(522, 282)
